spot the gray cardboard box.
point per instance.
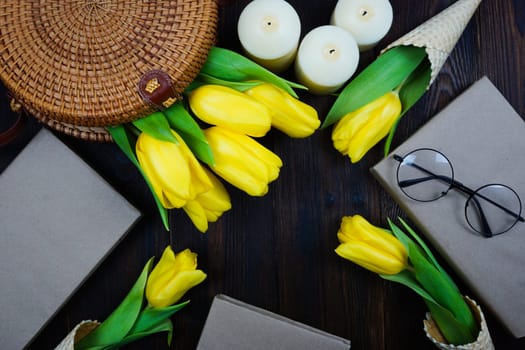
(484, 138)
(58, 220)
(234, 325)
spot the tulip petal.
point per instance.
(360, 130)
(176, 288)
(172, 277)
(165, 264)
(166, 168)
(356, 228)
(210, 205)
(231, 109)
(290, 115)
(197, 215)
(376, 128)
(370, 258)
(174, 172)
(242, 161)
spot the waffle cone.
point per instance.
(439, 34)
(80, 331)
(483, 342)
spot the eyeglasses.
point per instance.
(426, 175)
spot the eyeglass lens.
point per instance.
(486, 212)
(425, 175)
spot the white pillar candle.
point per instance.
(367, 20)
(327, 57)
(269, 32)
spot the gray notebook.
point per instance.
(58, 220)
(232, 324)
(484, 138)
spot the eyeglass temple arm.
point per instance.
(453, 183)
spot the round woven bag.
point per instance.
(81, 65)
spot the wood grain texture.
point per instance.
(277, 251)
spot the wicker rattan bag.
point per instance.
(80, 65)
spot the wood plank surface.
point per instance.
(277, 252)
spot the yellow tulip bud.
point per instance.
(371, 247)
(290, 115)
(173, 171)
(208, 206)
(223, 106)
(360, 130)
(242, 161)
(172, 277)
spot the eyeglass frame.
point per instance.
(454, 184)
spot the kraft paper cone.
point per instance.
(483, 342)
(439, 34)
(80, 331)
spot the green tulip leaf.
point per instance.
(151, 317)
(421, 246)
(165, 326)
(180, 120)
(386, 73)
(441, 290)
(156, 125)
(407, 279)
(428, 252)
(448, 324)
(120, 136)
(412, 90)
(229, 65)
(204, 79)
(454, 331)
(101, 347)
(430, 281)
(406, 240)
(120, 322)
(399, 234)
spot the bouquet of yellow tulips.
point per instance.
(404, 258)
(235, 101)
(148, 306)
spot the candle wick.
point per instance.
(331, 51)
(364, 12)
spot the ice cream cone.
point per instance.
(439, 34)
(80, 331)
(483, 342)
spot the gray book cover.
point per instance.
(484, 138)
(233, 324)
(58, 220)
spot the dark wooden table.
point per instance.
(277, 252)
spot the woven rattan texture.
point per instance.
(75, 64)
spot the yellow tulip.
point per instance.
(172, 277)
(208, 206)
(231, 109)
(290, 115)
(242, 161)
(371, 247)
(173, 171)
(360, 130)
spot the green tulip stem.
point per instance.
(410, 269)
(133, 129)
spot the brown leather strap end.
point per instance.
(8, 135)
(156, 88)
